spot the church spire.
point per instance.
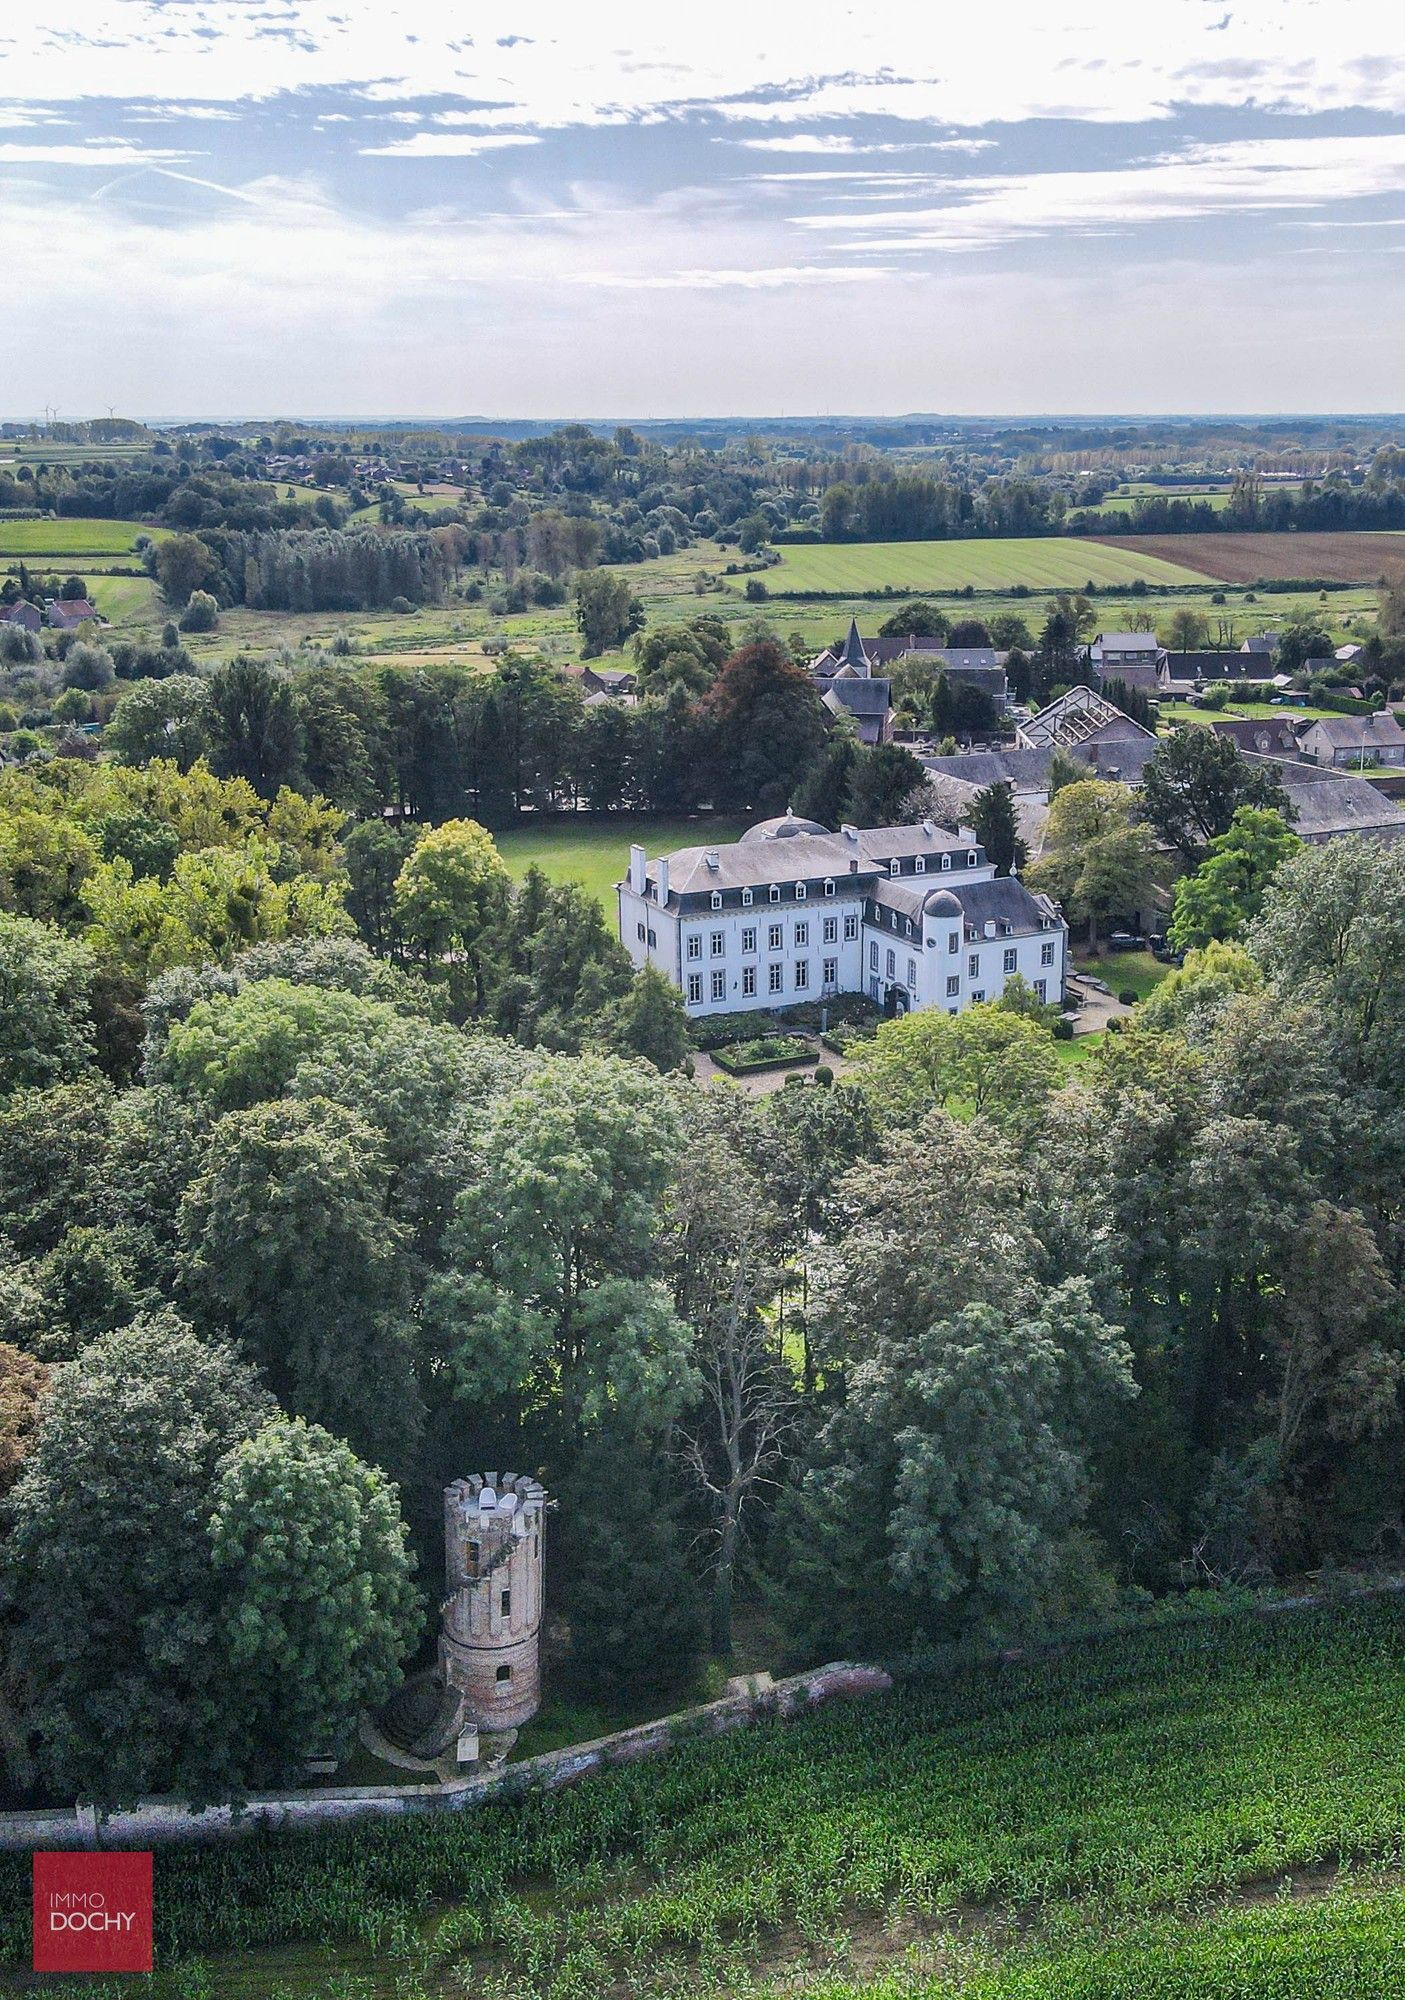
(854, 655)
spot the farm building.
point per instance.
(913, 916)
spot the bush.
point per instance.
(764, 1052)
(824, 1076)
(1128, 998)
(1063, 1031)
(401, 604)
(202, 614)
(717, 1031)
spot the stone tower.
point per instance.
(493, 1555)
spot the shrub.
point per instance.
(401, 604)
(824, 1076)
(1063, 1031)
(1128, 997)
(764, 1052)
(202, 614)
(720, 1030)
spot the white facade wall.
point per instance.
(769, 954)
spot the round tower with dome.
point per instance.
(494, 1553)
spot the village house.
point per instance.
(845, 676)
(1134, 658)
(912, 916)
(1351, 742)
(27, 616)
(68, 614)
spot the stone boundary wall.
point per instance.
(161, 1820)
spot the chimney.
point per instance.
(637, 865)
(663, 879)
(849, 832)
(713, 859)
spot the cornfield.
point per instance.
(1122, 1783)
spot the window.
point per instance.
(505, 1604)
(749, 938)
(719, 985)
(946, 861)
(695, 989)
(748, 898)
(775, 937)
(895, 866)
(873, 954)
(475, 1553)
(800, 892)
(695, 946)
(831, 930)
(953, 985)
(653, 937)
(774, 978)
(972, 858)
(953, 943)
(892, 964)
(831, 972)
(1011, 959)
(719, 943)
(1041, 988)
(717, 899)
(1046, 954)
(504, 1677)
(919, 866)
(775, 893)
(802, 974)
(641, 934)
(973, 965)
(748, 982)
(802, 934)
(912, 972)
(829, 888)
(851, 928)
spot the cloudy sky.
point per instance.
(629, 207)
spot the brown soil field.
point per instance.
(1346, 557)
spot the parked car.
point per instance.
(1126, 941)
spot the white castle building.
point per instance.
(912, 916)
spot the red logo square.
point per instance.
(92, 1913)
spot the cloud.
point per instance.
(1229, 179)
(100, 153)
(448, 145)
(762, 278)
(846, 143)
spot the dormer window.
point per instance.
(800, 892)
(775, 892)
(829, 887)
(895, 866)
(946, 861)
(972, 859)
(748, 898)
(919, 866)
(717, 899)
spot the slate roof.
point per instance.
(1357, 732)
(1215, 666)
(1126, 642)
(1271, 738)
(1005, 900)
(1026, 770)
(807, 857)
(1328, 803)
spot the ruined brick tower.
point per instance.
(494, 1532)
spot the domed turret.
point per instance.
(941, 903)
(784, 827)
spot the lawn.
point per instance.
(77, 537)
(595, 852)
(1129, 1815)
(1124, 971)
(1240, 711)
(1042, 562)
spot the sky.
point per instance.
(233, 208)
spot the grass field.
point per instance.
(1124, 971)
(595, 852)
(1042, 562)
(1244, 711)
(1348, 557)
(76, 538)
(1054, 1826)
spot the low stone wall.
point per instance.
(156, 1822)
